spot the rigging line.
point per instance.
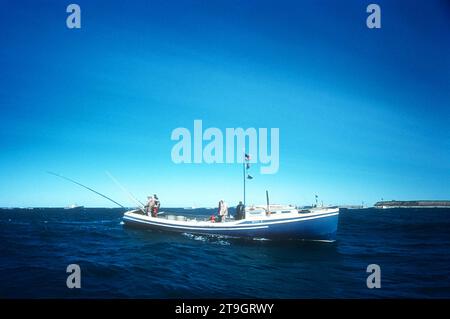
(136, 201)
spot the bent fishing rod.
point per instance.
(88, 188)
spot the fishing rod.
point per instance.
(130, 195)
(134, 199)
(88, 188)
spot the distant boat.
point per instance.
(75, 207)
(192, 207)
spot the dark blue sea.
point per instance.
(411, 246)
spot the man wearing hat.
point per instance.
(150, 205)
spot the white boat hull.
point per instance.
(318, 224)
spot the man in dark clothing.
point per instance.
(240, 211)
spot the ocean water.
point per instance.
(412, 247)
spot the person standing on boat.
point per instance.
(240, 211)
(150, 205)
(223, 210)
(156, 206)
(219, 210)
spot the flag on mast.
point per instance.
(247, 159)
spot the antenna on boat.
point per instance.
(88, 188)
(267, 200)
(134, 199)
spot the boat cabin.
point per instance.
(254, 212)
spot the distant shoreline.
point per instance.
(413, 204)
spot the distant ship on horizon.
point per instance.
(74, 206)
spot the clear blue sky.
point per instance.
(363, 114)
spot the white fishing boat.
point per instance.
(260, 221)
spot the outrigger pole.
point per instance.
(88, 188)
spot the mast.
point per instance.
(243, 175)
(245, 167)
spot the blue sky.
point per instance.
(363, 114)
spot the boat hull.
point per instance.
(322, 226)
